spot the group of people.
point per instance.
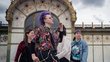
(42, 44)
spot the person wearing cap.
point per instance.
(79, 48)
(45, 45)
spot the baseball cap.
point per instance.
(77, 31)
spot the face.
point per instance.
(61, 25)
(48, 19)
(78, 35)
(31, 35)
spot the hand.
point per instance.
(36, 59)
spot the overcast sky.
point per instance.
(4, 4)
(95, 11)
(88, 11)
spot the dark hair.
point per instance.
(26, 37)
(42, 17)
(64, 30)
(74, 38)
(77, 30)
(62, 33)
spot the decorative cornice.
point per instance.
(15, 3)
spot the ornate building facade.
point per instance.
(98, 39)
(22, 14)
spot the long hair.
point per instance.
(26, 37)
(64, 30)
(74, 39)
(62, 33)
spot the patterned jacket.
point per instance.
(44, 38)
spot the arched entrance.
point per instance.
(33, 21)
(20, 13)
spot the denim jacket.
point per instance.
(83, 50)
